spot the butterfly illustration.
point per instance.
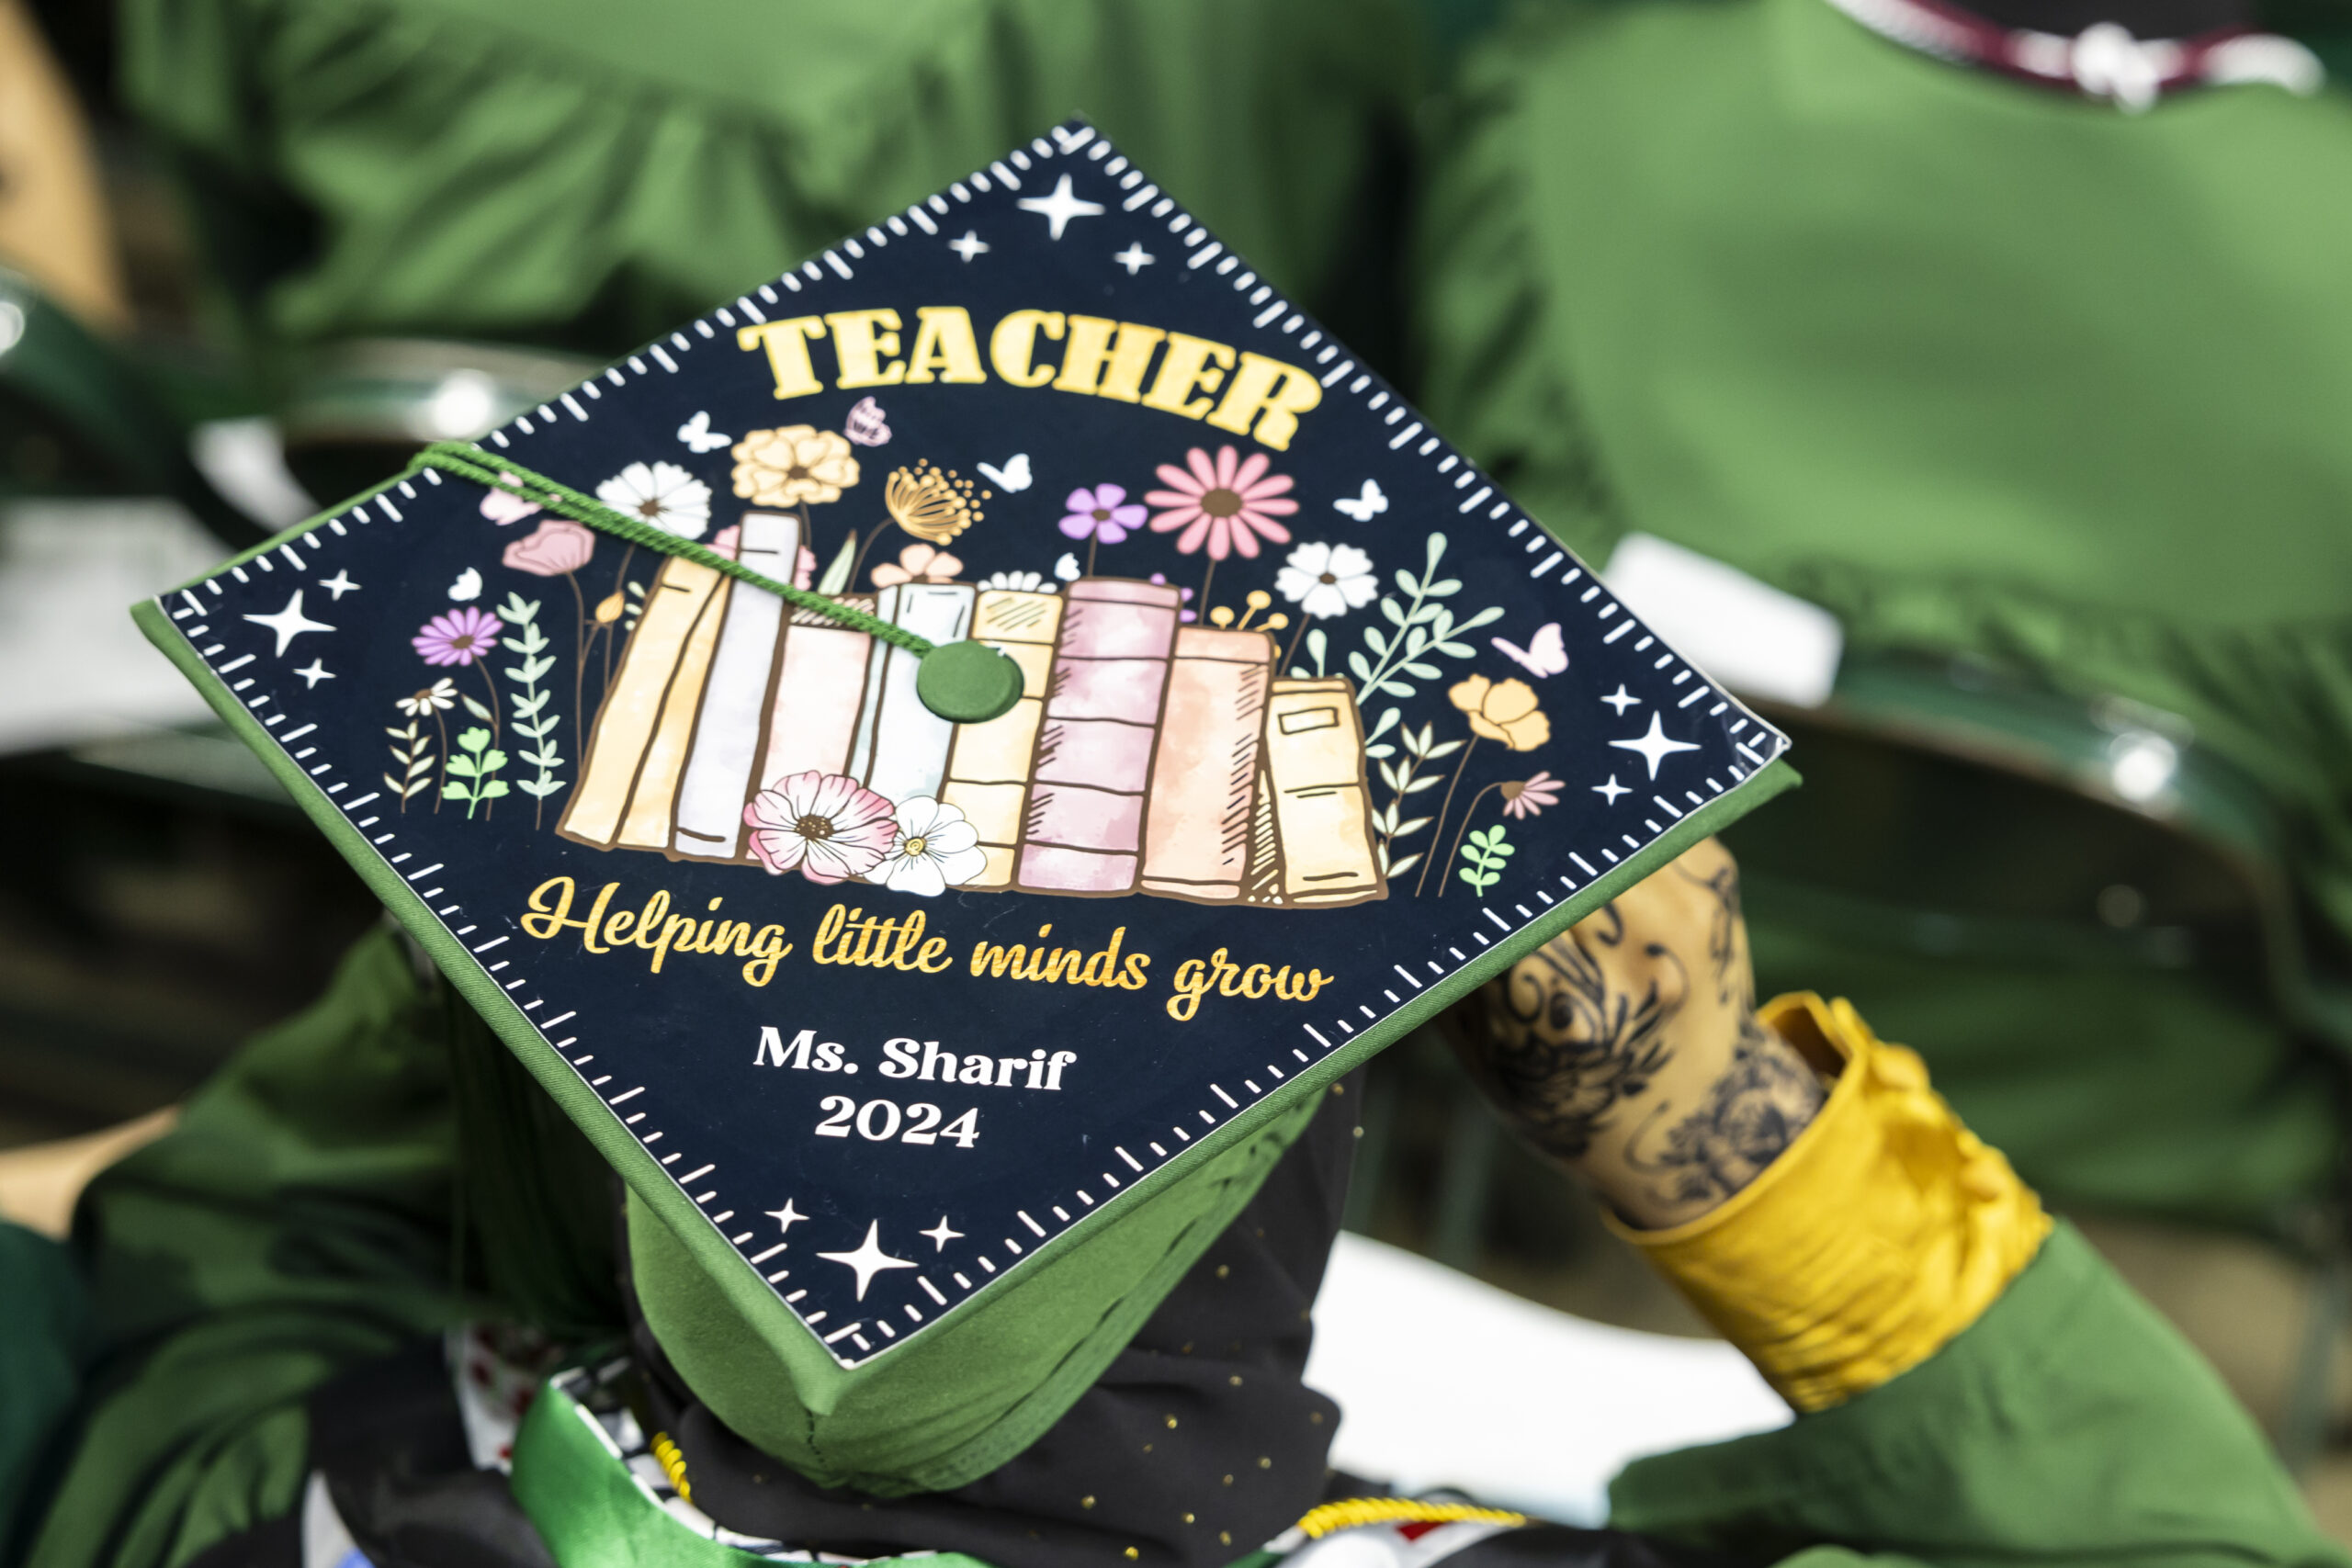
(1014, 476)
(698, 435)
(468, 586)
(866, 424)
(1545, 653)
(1067, 569)
(1367, 506)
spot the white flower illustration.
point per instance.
(1023, 582)
(662, 494)
(440, 696)
(936, 850)
(1328, 580)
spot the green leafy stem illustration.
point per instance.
(1405, 779)
(534, 722)
(412, 749)
(1486, 851)
(1423, 628)
(468, 770)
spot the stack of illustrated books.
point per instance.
(1145, 755)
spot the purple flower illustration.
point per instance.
(1102, 514)
(458, 637)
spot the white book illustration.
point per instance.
(728, 730)
(901, 747)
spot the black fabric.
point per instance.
(1561, 1546)
(278, 1544)
(1200, 1443)
(388, 1438)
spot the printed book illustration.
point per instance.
(1315, 728)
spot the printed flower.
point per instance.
(1103, 514)
(827, 827)
(804, 567)
(503, 506)
(1228, 502)
(936, 850)
(1019, 582)
(458, 637)
(866, 424)
(1328, 580)
(918, 563)
(1506, 712)
(556, 547)
(440, 696)
(931, 504)
(1528, 797)
(794, 465)
(662, 494)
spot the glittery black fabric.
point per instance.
(1199, 1443)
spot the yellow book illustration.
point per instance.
(989, 765)
(1322, 808)
(653, 805)
(634, 705)
(1205, 774)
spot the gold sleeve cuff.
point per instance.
(1882, 1231)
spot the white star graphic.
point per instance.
(1134, 258)
(1654, 747)
(339, 584)
(314, 672)
(869, 1260)
(942, 1236)
(1620, 701)
(1058, 209)
(785, 1215)
(970, 246)
(289, 623)
(1611, 790)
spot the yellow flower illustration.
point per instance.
(1506, 712)
(933, 505)
(794, 465)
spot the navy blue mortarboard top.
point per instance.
(1313, 730)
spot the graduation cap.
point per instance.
(937, 764)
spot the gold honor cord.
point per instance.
(966, 682)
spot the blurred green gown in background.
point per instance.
(1985, 369)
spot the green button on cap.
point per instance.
(968, 683)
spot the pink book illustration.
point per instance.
(814, 700)
(1204, 781)
(1083, 830)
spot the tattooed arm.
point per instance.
(1628, 1048)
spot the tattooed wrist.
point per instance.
(1567, 1047)
(1748, 1120)
(1629, 1048)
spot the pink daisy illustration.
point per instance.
(458, 637)
(1228, 502)
(1528, 797)
(827, 827)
